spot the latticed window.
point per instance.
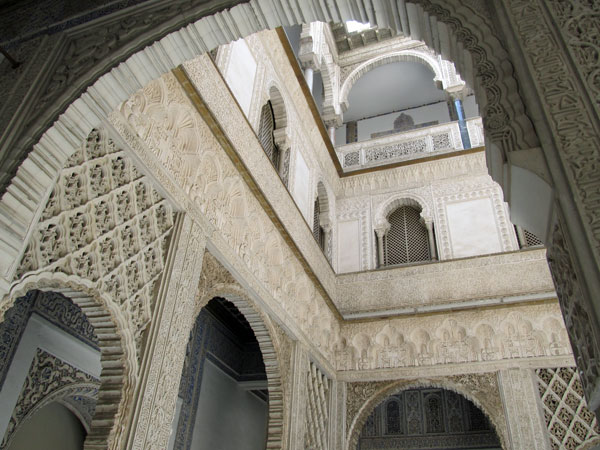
(407, 240)
(265, 133)
(527, 238)
(318, 232)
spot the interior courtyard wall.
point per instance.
(566, 262)
(310, 162)
(218, 192)
(455, 194)
(490, 338)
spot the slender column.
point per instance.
(331, 131)
(171, 323)
(327, 240)
(524, 416)
(308, 76)
(432, 250)
(462, 124)
(380, 233)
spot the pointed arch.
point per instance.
(117, 351)
(265, 335)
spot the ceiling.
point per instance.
(392, 87)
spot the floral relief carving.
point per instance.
(103, 222)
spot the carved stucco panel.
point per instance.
(459, 337)
(525, 421)
(105, 223)
(157, 400)
(198, 165)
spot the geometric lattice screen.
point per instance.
(407, 240)
(531, 239)
(317, 409)
(527, 238)
(570, 423)
(265, 133)
(318, 233)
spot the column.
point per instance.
(432, 249)
(327, 240)
(462, 124)
(524, 416)
(173, 318)
(331, 131)
(308, 76)
(351, 132)
(380, 233)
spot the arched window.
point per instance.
(265, 133)
(407, 240)
(318, 231)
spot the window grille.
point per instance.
(527, 238)
(318, 233)
(265, 133)
(407, 240)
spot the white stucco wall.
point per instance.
(301, 186)
(424, 114)
(53, 427)
(240, 74)
(348, 246)
(228, 417)
(473, 229)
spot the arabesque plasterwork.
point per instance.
(520, 332)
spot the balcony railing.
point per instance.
(408, 145)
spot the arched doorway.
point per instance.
(50, 373)
(53, 427)
(427, 417)
(224, 393)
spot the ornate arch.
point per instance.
(85, 95)
(324, 196)
(404, 199)
(278, 104)
(480, 398)
(117, 350)
(389, 58)
(265, 333)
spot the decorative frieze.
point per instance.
(520, 332)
